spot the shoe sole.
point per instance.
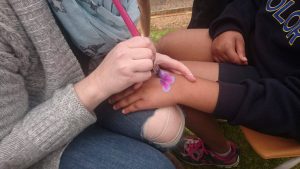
(220, 166)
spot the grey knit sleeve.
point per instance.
(26, 136)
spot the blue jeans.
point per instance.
(114, 142)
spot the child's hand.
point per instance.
(149, 95)
(174, 66)
(229, 47)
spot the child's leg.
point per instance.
(202, 124)
(195, 45)
(216, 148)
(162, 127)
(205, 126)
(188, 44)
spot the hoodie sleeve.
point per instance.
(237, 16)
(268, 105)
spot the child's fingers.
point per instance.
(232, 56)
(137, 85)
(125, 102)
(136, 106)
(240, 49)
(125, 93)
(217, 59)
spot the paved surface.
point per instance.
(170, 14)
(170, 21)
(158, 5)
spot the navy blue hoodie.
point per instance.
(271, 29)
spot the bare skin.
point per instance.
(183, 92)
(227, 47)
(191, 45)
(200, 97)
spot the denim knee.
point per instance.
(162, 127)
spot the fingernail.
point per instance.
(124, 111)
(191, 77)
(115, 107)
(110, 101)
(244, 58)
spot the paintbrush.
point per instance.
(131, 27)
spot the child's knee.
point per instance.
(164, 44)
(165, 127)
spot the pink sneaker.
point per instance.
(193, 151)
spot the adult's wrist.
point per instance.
(90, 93)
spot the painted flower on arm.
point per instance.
(166, 80)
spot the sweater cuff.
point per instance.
(219, 27)
(58, 120)
(229, 101)
(82, 113)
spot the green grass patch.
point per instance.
(155, 35)
(248, 159)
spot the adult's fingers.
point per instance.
(142, 65)
(141, 53)
(175, 66)
(141, 76)
(139, 42)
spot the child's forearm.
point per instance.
(201, 95)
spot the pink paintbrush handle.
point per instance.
(130, 25)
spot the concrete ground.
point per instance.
(171, 21)
(161, 5)
(170, 14)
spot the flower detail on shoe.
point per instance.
(194, 148)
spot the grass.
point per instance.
(249, 159)
(157, 34)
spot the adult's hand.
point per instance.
(174, 66)
(229, 47)
(130, 62)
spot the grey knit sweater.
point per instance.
(39, 110)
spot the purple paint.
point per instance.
(166, 80)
